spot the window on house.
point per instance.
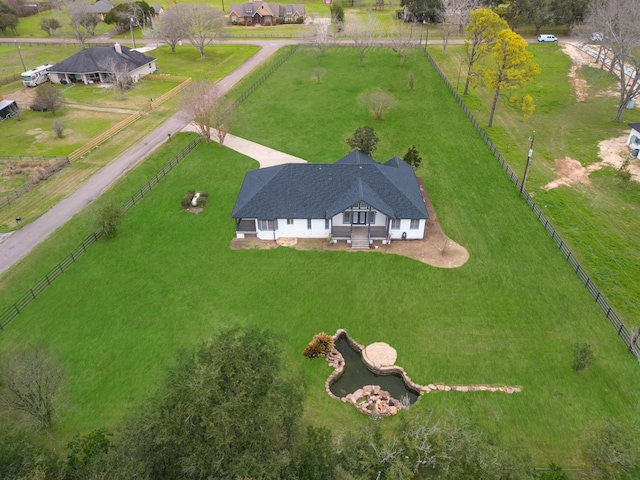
(289, 221)
(395, 224)
(372, 217)
(308, 224)
(268, 225)
(346, 218)
(415, 224)
(327, 224)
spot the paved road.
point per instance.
(24, 240)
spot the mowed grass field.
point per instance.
(511, 315)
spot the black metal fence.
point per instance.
(260, 80)
(14, 310)
(57, 164)
(597, 295)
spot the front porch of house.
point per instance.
(359, 236)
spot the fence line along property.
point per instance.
(14, 310)
(58, 164)
(589, 284)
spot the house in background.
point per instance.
(633, 142)
(263, 13)
(355, 199)
(158, 10)
(100, 8)
(99, 64)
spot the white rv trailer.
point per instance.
(36, 76)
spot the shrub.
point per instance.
(583, 357)
(320, 346)
(203, 199)
(58, 128)
(186, 200)
(109, 217)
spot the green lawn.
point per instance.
(600, 221)
(219, 61)
(511, 315)
(29, 27)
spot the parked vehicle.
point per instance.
(36, 76)
(547, 38)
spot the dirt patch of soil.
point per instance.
(613, 153)
(436, 249)
(23, 97)
(578, 59)
(193, 209)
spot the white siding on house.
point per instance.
(298, 229)
(634, 139)
(405, 227)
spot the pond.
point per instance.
(357, 374)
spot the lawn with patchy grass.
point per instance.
(601, 220)
(511, 315)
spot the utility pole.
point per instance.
(20, 53)
(133, 39)
(526, 168)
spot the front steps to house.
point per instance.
(360, 239)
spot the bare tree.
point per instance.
(619, 26)
(30, 383)
(319, 41)
(454, 18)
(118, 75)
(204, 24)
(206, 109)
(172, 27)
(402, 39)
(378, 102)
(364, 33)
(82, 22)
(49, 98)
(58, 128)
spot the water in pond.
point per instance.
(356, 375)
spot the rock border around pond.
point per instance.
(371, 399)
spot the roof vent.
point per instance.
(118, 48)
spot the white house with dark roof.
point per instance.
(633, 142)
(355, 199)
(265, 13)
(97, 64)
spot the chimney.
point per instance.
(117, 47)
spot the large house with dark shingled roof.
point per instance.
(99, 64)
(355, 199)
(265, 13)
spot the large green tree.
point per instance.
(424, 10)
(512, 67)
(226, 411)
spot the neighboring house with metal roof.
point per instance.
(100, 64)
(264, 13)
(633, 142)
(100, 8)
(355, 199)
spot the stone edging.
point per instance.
(335, 360)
